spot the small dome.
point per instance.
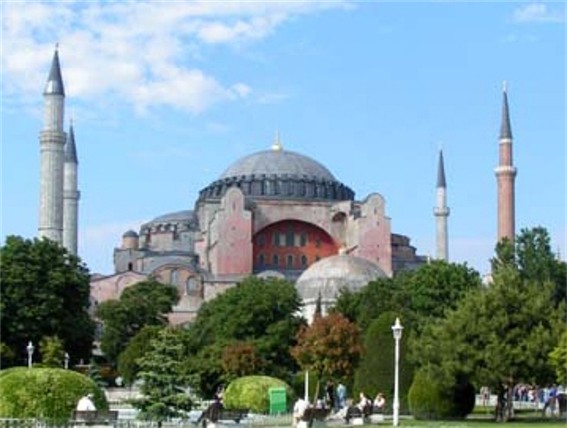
(328, 276)
(130, 234)
(174, 217)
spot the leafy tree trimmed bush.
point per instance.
(49, 394)
(435, 396)
(375, 373)
(251, 392)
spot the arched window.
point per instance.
(275, 260)
(289, 237)
(174, 277)
(261, 260)
(191, 285)
(303, 260)
(289, 261)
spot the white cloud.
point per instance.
(537, 12)
(143, 53)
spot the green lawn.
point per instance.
(520, 422)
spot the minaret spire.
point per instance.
(71, 194)
(54, 83)
(506, 175)
(441, 211)
(52, 142)
(505, 128)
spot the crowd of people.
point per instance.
(336, 402)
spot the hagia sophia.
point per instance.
(273, 213)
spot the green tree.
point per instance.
(366, 305)
(330, 347)
(138, 346)
(145, 303)
(45, 292)
(164, 385)
(533, 259)
(258, 311)
(434, 288)
(498, 336)
(421, 295)
(375, 372)
(52, 351)
(558, 358)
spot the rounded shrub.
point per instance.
(49, 394)
(431, 398)
(251, 392)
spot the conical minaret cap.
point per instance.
(54, 83)
(441, 171)
(70, 148)
(505, 129)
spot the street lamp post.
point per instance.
(397, 331)
(66, 360)
(30, 349)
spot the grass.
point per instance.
(486, 423)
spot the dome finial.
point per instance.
(277, 145)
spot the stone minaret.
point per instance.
(71, 194)
(52, 142)
(505, 176)
(441, 212)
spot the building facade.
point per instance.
(272, 213)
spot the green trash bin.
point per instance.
(278, 400)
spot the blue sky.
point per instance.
(165, 96)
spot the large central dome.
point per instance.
(279, 174)
(278, 162)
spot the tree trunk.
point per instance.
(316, 397)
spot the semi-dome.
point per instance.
(279, 174)
(331, 274)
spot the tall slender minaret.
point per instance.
(505, 176)
(52, 142)
(71, 194)
(441, 212)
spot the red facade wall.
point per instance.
(291, 244)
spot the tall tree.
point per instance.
(137, 347)
(262, 312)
(533, 259)
(330, 347)
(164, 386)
(142, 304)
(421, 295)
(45, 292)
(497, 336)
(375, 372)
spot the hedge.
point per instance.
(251, 392)
(49, 394)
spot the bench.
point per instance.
(314, 414)
(95, 417)
(369, 414)
(215, 412)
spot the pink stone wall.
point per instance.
(374, 234)
(231, 253)
(111, 287)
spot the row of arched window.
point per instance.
(289, 261)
